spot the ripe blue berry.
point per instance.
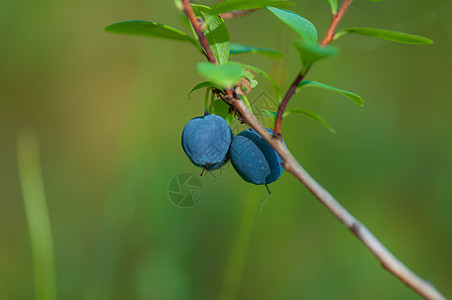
(254, 159)
(206, 141)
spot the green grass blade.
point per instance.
(233, 274)
(37, 216)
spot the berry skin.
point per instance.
(206, 141)
(254, 159)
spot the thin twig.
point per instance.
(282, 106)
(198, 29)
(334, 22)
(237, 14)
(386, 258)
(336, 18)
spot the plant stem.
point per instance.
(282, 106)
(386, 258)
(37, 214)
(198, 29)
(236, 262)
(328, 38)
(236, 14)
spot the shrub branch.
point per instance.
(386, 258)
(336, 18)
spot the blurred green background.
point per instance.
(109, 110)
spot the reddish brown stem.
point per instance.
(285, 101)
(237, 14)
(198, 29)
(328, 38)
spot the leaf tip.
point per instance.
(107, 28)
(428, 41)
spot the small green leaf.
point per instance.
(301, 25)
(389, 35)
(222, 109)
(226, 75)
(352, 96)
(232, 5)
(269, 113)
(216, 32)
(333, 5)
(250, 76)
(263, 73)
(207, 107)
(150, 29)
(313, 115)
(299, 111)
(205, 84)
(240, 49)
(311, 53)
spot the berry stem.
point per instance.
(203, 170)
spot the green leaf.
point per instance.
(333, 5)
(352, 96)
(222, 109)
(313, 115)
(263, 73)
(299, 111)
(179, 5)
(389, 35)
(216, 32)
(205, 84)
(311, 53)
(226, 75)
(270, 113)
(150, 29)
(240, 49)
(207, 107)
(232, 5)
(301, 25)
(250, 76)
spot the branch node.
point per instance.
(355, 228)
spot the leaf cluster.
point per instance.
(231, 75)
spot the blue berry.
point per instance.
(254, 159)
(206, 141)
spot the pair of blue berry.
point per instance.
(209, 143)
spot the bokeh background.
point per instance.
(109, 110)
